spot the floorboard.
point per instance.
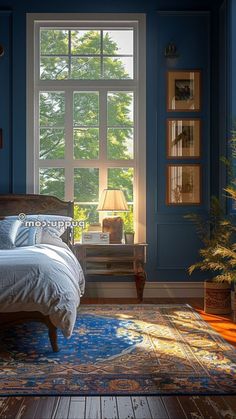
(189, 407)
(125, 408)
(204, 405)
(62, 409)
(28, 408)
(109, 408)
(222, 408)
(141, 407)
(231, 402)
(157, 408)
(93, 408)
(11, 407)
(77, 408)
(46, 407)
(173, 407)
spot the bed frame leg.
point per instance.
(52, 333)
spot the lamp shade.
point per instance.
(112, 200)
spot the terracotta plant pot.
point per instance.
(217, 297)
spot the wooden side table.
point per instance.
(114, 260)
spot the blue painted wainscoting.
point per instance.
(173, 241)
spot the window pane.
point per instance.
(118, 42)
(86, 42)
(86, 108)
(54, 68)
(52, 109)
(52, 182)
(86, 213)
(86, 185)
(54, 41)
(128, 218)
(52, 143)
(86, 143)
(120, 107)
(118, 68)
(122, 178)
(86, 68)
(120, 143)
(86, 60)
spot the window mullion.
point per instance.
(37, 143)
(37, 54)
(103, 125)
(69, 62)
(102, 144)
(102, 64)
(69, 146)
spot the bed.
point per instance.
(44, 282)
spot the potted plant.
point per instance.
(129, 227)
(229, 254)
(216, 235)
(219, 253)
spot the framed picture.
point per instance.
(183, 184)
(183, 90)
(183, 138)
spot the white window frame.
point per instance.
(136, 85)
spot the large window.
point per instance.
(86, 111)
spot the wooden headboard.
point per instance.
(37, 204)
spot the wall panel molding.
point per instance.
(151, 290)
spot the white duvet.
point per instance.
(44, 278)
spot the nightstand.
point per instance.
(114, 260)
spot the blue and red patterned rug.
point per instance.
(122, 350)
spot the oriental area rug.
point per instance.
(120, 350)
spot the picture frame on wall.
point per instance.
(183, 184)
(183, 138)
(184, 90)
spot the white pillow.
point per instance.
(47, 238)
(8, 233)
(26, 236)
(46, 225)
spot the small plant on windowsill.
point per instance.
(129, 233)
(129, 237)
(216, 234)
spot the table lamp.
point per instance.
(113, 200)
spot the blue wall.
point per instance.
(6, 104)
(233, 62)
(174, 237)
(172, 240)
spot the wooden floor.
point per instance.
(181, 407)
(168, 407)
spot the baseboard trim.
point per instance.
(151, 290)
